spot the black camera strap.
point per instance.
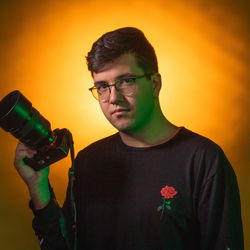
(72, 179)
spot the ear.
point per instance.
(157, 84)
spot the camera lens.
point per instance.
(18, 117)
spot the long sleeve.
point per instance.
(50, 227)
(54, 226)
(219, 210)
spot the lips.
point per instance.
(120, 111)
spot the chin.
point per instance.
(122, 126)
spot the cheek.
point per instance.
(104, 108)
(144, 101)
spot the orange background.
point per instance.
(203, 59)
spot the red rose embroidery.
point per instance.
(168, 192)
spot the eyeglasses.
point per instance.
(125, 86)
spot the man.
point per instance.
(152, 185)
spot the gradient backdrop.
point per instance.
(202, 48)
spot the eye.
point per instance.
(102, 87)
(127, 81)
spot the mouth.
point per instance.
(120, 111)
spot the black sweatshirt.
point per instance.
(182, 194)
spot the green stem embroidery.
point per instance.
(163, 207)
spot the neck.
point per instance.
(157, 131)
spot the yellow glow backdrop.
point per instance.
(203, 59)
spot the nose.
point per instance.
(115, 96)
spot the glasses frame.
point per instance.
(135, 77)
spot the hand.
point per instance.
(37, 181)
(28, 174)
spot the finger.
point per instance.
(22, 147)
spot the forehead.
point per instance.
(126, 63)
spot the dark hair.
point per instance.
(122, 41)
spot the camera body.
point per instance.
(58, 150)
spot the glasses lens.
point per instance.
(128, 90)
(103, 96)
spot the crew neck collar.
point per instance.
(181, 129)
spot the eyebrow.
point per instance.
(118, 77)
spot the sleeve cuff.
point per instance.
(48, 214)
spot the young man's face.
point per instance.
(128, 113)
